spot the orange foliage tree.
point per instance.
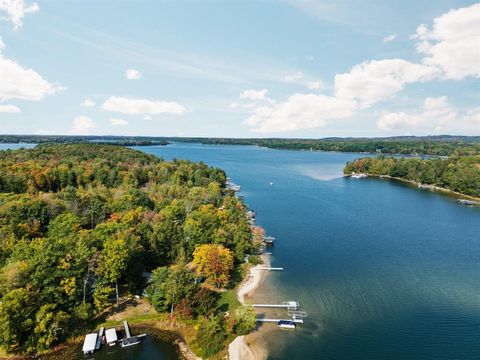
(215, 262)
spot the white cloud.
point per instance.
(142, 106)
(233, 105)
(398, 121)
(300, 111)
(467, 123)
(118, 122)
(9, 109)
(315, 85)
(132, 74)
(435, 116)
(20, 83)
(88, 103)
(390, 37)
(254, 94)
(16, 10)
(148, 117)
(378, 80)
(293, 77)
(2, 44)
(453, 44)
(82, 125)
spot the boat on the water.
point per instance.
(467, 202)
(232, 186)
(269, 240)
(286, 324)
(358, 176)
(130, 341)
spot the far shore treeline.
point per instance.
(456, 173)
(442, 145)
(84, 224)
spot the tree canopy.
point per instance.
(457, 173)
(81, 224)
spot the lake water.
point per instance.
(384, 270)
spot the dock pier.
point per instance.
(127, 329)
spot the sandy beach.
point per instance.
(249, 347)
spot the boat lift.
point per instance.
(297, 321)
(290, 305)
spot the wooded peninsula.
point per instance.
(83, 225)
(456, 173)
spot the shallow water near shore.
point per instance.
(384, 270)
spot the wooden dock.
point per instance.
(99, 338)
(268, 268)
(127, 329)
(128, 335)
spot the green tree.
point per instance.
(245, 319)
(114, 260)
(50, 326)
(16, 320)
(211, 334)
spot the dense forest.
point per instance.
(406, 145)
(70, 139)
(84, 224)
(461, 174)
(443, 145)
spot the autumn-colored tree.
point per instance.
(215, 263)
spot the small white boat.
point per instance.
(286, 324)
(235, 187)
(130, 341)
(358, 176)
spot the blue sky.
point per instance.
(292, 68)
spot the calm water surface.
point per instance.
(385, 271)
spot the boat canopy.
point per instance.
(111, 335)
(90, 343)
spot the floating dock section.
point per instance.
(268, 268)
